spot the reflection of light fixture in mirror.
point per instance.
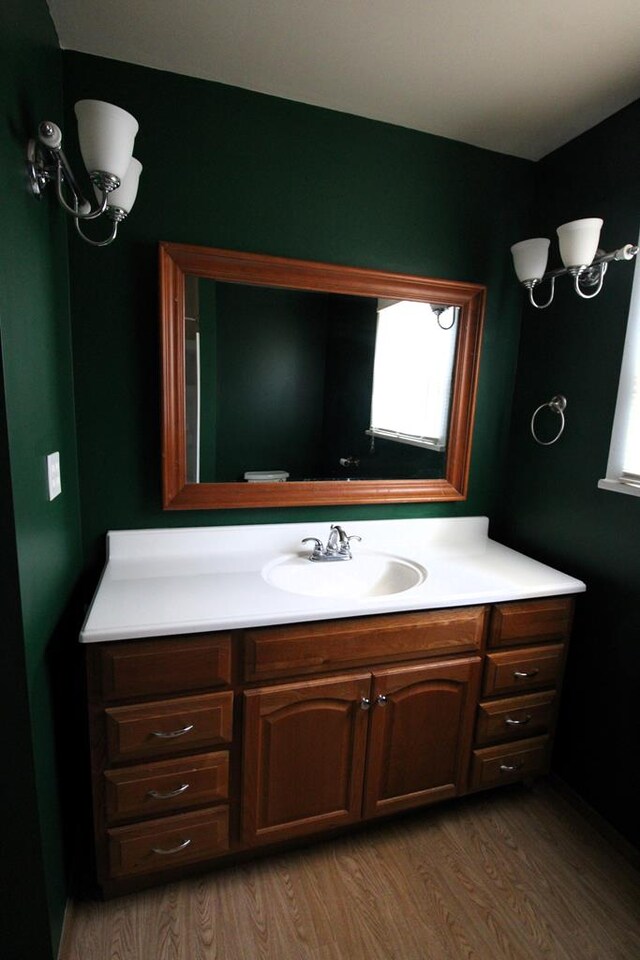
(106, 134)
(439, 309)
(582, 259)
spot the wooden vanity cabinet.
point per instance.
(528, 642)
(161, 724)
(206, 746)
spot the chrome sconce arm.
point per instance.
(582, 259)
(110, 211)
(106, 140)
(46, 163)
(532, 284)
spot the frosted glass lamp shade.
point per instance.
(530, 258)
(125, 196)
(579, 241)
(106, 135)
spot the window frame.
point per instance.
(383, 429)
(614, 480)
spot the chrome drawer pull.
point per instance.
(167, 796)
(517, 723)
(173, 733)
(523, 675)
(164, 853)
(511, 767)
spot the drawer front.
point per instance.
(148, 668)
(515, 717)
(509, 762)
(534, 621)
(318, 647)
(516, 670)
(168, 726)
(166, 786)
(161, 844)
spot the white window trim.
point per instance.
(432, 443)
(614, 480)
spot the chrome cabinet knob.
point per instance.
(365, 703)
(382, 699)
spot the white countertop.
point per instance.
(189, 580)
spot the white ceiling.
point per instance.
(518, 76)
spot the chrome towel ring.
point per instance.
(558, 404)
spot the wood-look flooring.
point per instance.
(517, 874)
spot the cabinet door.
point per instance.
(304, 751)
(421, 732)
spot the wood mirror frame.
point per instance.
(178, 260)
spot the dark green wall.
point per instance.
(230, 168)
(41, 547)
(553, 507)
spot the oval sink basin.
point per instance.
(366, 575)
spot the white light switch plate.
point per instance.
(53, 475)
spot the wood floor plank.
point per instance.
(515, 875)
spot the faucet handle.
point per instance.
(345, 547)
(318, 550)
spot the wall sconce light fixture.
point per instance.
(579, 251)
(106, 134)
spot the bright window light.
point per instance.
(623, 468)
(412, 372)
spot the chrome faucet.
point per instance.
(338, 545)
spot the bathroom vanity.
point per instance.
(228, 714)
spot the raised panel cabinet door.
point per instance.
(421, 733)
(304, 752)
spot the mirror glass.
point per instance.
(287, 382)
(293, 385)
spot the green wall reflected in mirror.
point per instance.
(283, 380)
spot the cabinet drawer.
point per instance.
(148, 668)
(515, 717)
(168, 726)
(161, 844)
(508, 762)
(534, 621)
(317, 647)
(165, 786)
(516, 670)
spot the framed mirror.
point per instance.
(293, 383)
